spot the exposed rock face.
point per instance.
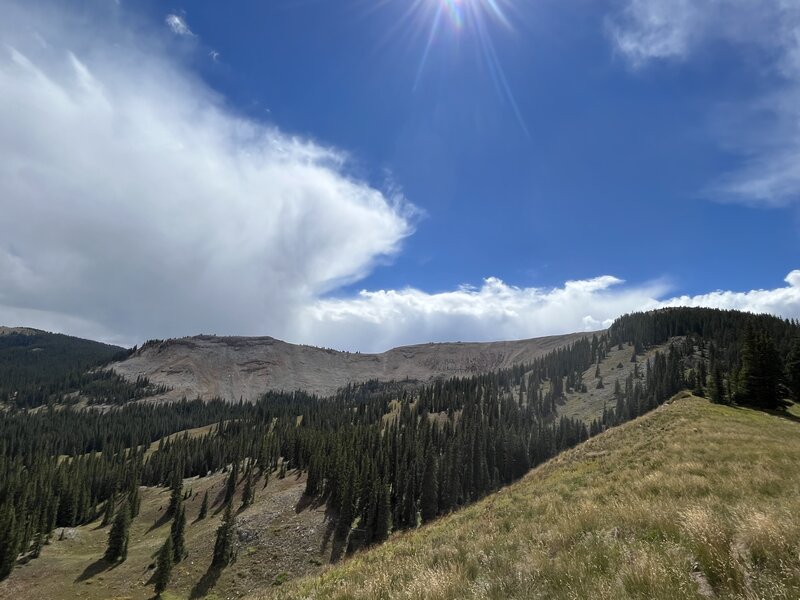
(246, 367)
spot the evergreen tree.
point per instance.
(203, 507)
(248, 493)
(345, 519)
(178, 534)
(135, 500)
(9, 541)
(118, 536)
(230, 489)
(429, 503)
(108, 512)
(793, 370)
(223, 546)
(164, 566)
(761, 371)
(176, 494)
(383, 513)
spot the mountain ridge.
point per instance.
(238, 367)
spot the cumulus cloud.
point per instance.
(381, 319)
(178, 25)
(766, 133)
(782, 301)
(133, 199)
(135, 204)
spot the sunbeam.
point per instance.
(470, 19)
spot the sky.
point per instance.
(364, 174)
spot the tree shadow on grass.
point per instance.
(206, 583)
(307, 502)
(160, 521)
(782, 411)
(97, 567)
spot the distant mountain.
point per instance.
(247, 367)
(36, 366)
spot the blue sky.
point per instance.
(613, 176)
(645, 150)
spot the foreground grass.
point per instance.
(691, 501)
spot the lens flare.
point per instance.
(453, 8)
(474, 19)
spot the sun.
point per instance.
(460, 12)
(476, 20)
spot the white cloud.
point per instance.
(178, 25)
(783, 301)
(134, 200)
(136, 205)
(382, 319)
(767, 133)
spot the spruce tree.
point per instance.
(176, 494)
(345, 519)
(383, 516)
(223, 545)
(135, 500)
(230, 489)
(178, 534)
(793, 370)
(9, 541)
(108, 512)
(429, 503)
(164, 566)
(118, 536)
(203, 507)
(761, 371)
(248, 493)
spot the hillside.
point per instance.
(277, 541)
(687, 500)
(693, 500)
(246, 367)
(36, 366)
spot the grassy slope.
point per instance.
(588, 405)
(693, 500)
(278, 542)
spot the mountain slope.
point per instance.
(246, 367)
(37, 365)
(693, 500)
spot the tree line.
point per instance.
(383, 456)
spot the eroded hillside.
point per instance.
(246, 367)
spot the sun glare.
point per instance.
(473, 18)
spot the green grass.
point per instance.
(693, 500)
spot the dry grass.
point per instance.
(691, 501)
(278, 542)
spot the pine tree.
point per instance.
(135, 501)
(345, 520)
(248, 493)
(164, 566)
(761, 371)
(383, 513)
(793, 370)
(203, 507)
(223, 546)
(178, 534)
(108, 512)
(9, 541)
(176, 495)
(230, 489)
(429, 503)
(118, 536)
